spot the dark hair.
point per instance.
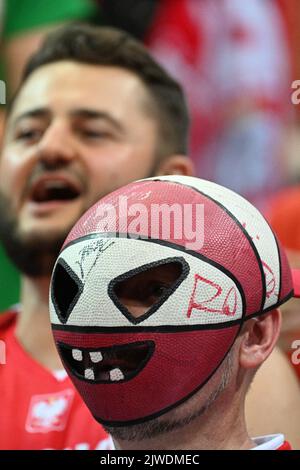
(108, 46)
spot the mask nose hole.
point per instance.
(66, 289)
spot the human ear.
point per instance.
(258, 339)
(176, 165)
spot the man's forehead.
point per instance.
(67, 85)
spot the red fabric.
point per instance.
(192, 39)
(37, 410)
(296, 282)
(297, 369)
(285, 275)
(291, 16)
(284, 216)
(285, 446)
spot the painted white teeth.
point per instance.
(89, 374)
(116, 375)
(96, 356)
(77, 354)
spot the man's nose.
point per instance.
(56, 146)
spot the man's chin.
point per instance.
(48, 227)
(60, 217)
(44, 236)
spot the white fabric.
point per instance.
(271, 442)
(60, 375)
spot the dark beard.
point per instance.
(33, 256)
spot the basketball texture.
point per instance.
(131, 368)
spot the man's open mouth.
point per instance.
(107, 365)
(49, 189)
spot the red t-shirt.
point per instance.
(285, 446)
(38, 409)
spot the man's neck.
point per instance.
(221, 428)
(33, 326)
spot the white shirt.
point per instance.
(271, 442)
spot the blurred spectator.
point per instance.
(230, 56)
(284, 216)
(232, 59)
(23, 26)
(291, 15)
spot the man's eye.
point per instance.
(29, 134)
(95, 134)
(155, 290)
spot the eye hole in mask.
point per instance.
(138, 294)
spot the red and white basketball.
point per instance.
(130, 368)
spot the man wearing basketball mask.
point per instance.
(162, 330)
(93, 113)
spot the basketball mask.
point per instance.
(131, 368)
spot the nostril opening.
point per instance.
(66, 288)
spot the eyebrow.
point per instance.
(38, 112)
(80, 113)
(95, 114)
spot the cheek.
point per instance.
(128, 159)
(14, 173)
(8, 170)
(113, 170)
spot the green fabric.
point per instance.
(9, 283)
(2, 74)
(24, 15)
